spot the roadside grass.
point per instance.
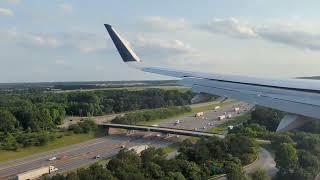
(209, 105)
(170, 148)
(234, 121)
(58, 143)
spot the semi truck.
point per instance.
(199, 114)
(36, 173)
(222, 117)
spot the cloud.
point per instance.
(162, 23)
(229, 26)
(6, 12)
(291, 35)
(281, 32)
(60, 61)
(66, 7)
(75, 41)
(170, 51)
(13, 1)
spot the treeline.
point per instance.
(206, 158)
(297, 153)
(42, 112)
(150, 114)
(21, 139)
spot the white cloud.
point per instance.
(291, 35)
(60, 61)
(170, 51)
(229, 26)
(162, 23)
(66, 7)
(75, 41)
(13, 1)
(6, 12)
(45, 40)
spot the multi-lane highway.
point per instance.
(75, 156)
(210, 118)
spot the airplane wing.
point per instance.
(299, 97)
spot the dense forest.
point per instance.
(150, 114)
(206, 158)
(40, 113)
(297, 153)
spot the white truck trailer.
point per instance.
(237, 109)
(199, 114)
(36, 173)
(222, 117)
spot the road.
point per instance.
(209, 119)
(75, 156)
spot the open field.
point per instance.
(170, 148)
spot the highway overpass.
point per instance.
(165, 130)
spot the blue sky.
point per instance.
(62, 40)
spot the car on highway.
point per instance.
(52, 159)
(97, 157)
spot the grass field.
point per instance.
(64, 141)
(235, 121)
(170, 148)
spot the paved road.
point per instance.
(74, 156)
(210, 117)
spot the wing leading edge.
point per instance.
(296, 96)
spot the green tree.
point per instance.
(259, 175)
(286, 158)
(7, 121)
(174, 176)
(267, 117)
(10, 142)
(233, 169)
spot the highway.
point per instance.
(209, 120)
(75, 156)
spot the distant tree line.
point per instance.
(42, 112)
(150, 114)
(198, 161)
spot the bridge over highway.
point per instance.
(166, 130)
